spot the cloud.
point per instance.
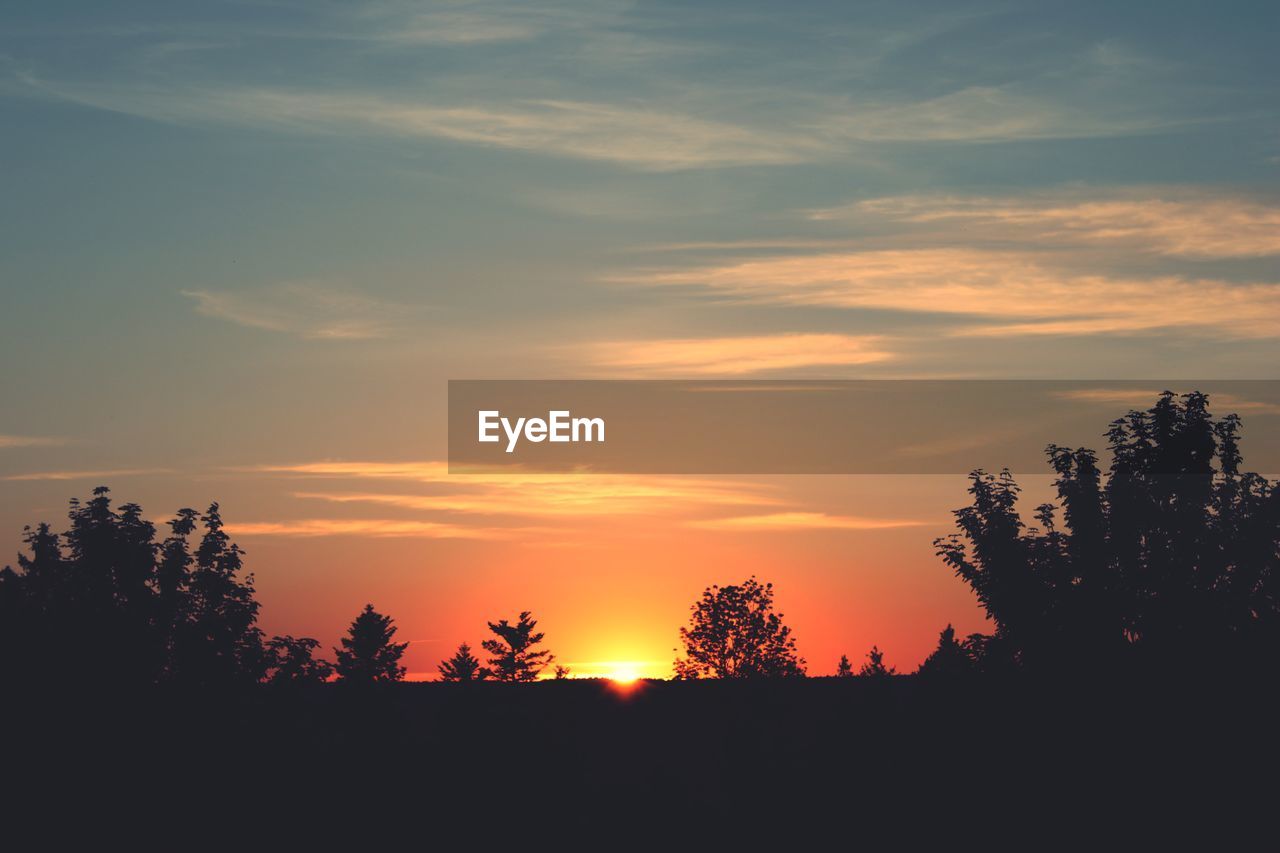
(304, 309)
(638, 136)
(981, 114)
(709, 127)
(1143, 399)
(1018, 290)
(86, 475)
(445, 27)
(513, 492)
(783, 521)
(376, 528)
(1177, 223)
(731, 356)
(30, 441)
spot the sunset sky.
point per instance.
(244, 246)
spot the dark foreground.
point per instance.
(717, 757)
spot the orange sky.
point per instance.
(611, 587)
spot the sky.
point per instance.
(244, 246)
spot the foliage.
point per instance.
(512, 655)
(463, 666)
(950, 659)
(1169, 560)
(106, 600)
(844, 669)
(293, 661)
(874, 667)
(733, 632)
(368, 654)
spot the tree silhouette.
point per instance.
(463, 666)
(367, 654)
(127, 611)
(949, 660)
(733, 632)
(513, 656)
(874, 667)
(1170, 560)
(844, 669)
(562, 672)
(293, 661)
(219, 641)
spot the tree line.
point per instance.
(1168, 559)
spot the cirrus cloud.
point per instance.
(997, 292)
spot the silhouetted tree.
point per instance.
(292, 661)
(513, 656)
(1171, 559)
(219, 642)
(106, 598)
(463, 666)
(874, 667)
(733, 632)
(368, 655)
(949, 660)
(562, 672)
(844, 669)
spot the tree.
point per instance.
(463, 666)
(219, 642)
(368, 655)
(733, 632)
(125, 610)
(293, 661)
(950, 659)
(844, 669)
(1168, 560)
(874, 667)
(512, 655)
(562, 672)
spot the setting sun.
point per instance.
(624, 673)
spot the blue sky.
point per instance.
(251, 199)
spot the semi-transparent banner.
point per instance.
(826, 427)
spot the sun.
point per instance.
(624, 673)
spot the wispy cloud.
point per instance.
(30, 441)
(709, 127)
(305, 309)
(986, 114)
(998, 293)
(370, 527)
(1178, 222)
(513, 492)
(1143, 398)
(463, 27)
(733, 356)
(638, 136)
(87, 475)
(786, 521)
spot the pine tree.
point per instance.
(874, 667)
(463, 666)
(844, 669)
(513, 657)
(949, 659)
(367, 654)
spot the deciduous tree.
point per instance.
(733, 632)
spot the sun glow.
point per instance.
(624, 672)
